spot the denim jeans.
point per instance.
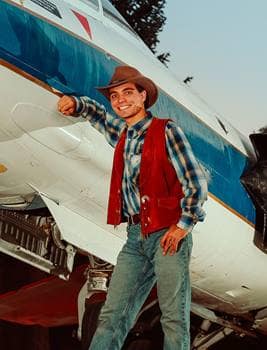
(140, 265)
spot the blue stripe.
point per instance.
(72, 66)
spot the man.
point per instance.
(158, 187)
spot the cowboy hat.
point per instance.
(126, 74)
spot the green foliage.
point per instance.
(147, 19)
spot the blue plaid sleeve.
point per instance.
(190, 175)
(107, 124)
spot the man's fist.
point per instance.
(67, 105)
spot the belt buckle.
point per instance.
(130, 220)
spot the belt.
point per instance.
(133, 219)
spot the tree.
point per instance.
(147, 19)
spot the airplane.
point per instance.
(54, 177)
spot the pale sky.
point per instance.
(223, 44)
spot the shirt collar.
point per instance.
(142, 125)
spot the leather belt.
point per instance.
(133, 219)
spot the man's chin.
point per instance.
(125, 115)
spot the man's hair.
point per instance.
(141, 89)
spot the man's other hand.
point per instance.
(67, 105)
(171, 239)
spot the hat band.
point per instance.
(116, 81)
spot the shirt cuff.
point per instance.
(186, 222)
(79, 105)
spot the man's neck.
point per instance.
(136, 118)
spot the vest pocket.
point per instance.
(169, 202)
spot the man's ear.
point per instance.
(144, 95)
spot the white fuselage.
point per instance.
(68, 164)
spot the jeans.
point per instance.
(140, 265)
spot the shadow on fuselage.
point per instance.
(36, 49)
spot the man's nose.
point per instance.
(121, 98)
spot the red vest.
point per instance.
(160, 189)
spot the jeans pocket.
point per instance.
(182, 241)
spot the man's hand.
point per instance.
(67, 105)
(171, 239)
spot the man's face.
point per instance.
(127, 102)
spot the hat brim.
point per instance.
(146, 83)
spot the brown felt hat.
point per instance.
(126, 74)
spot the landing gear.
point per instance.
(89, 323)
(209, 328)
(206, 337)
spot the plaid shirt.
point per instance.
(188, 171)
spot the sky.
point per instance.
(223, 45)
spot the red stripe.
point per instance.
(84, 22)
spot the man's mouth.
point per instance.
(123, 108)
